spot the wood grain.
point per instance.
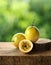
(9, 55)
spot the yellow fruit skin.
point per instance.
(32, 33)
(17, 38)
(27, 48)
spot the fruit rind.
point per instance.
(32, 33)
(17, 38)
(22, 50)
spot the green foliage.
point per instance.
(43, 9)
(17, 15)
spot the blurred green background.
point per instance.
(17, 15)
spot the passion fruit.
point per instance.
(25, 46)
(17, 38)
(32, 33)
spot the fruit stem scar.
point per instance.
(32, 24)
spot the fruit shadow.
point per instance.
(37, 52)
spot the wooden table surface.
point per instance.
(9, 55)
(8, 49)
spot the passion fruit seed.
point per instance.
(26, 46)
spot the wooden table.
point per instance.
(9, 55)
